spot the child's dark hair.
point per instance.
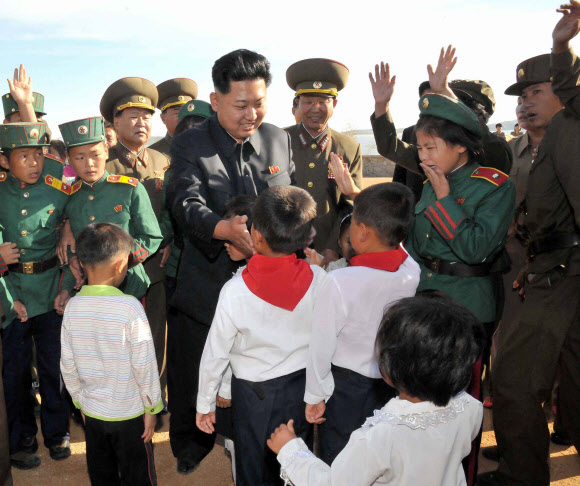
(187, 123)
(426, 346)
(344, 225)
(241, 206)
(99, 242)
(451, 133)
(60, 147)
(284, 216)
(239, 65)
(388, 209)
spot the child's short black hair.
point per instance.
(99, 242)
(284, 216)
(239, 65)
(187, 123)
(388, 209)
(426, 346)
(344, 225)
(451, 133)
(241, 206)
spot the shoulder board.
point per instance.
(123, 179)
(52, 157)
(2, 176)
(76, 186)
(58, 184)
(496, 177)
(166, 167)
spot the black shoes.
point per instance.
(491, 478)
(24, 460)
(560, 439)
(186, 466)
(60, 452)
(29, 445)
(491, 453)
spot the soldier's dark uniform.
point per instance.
(322, 77)
(29, 216)
(548, 331)
(148, 167)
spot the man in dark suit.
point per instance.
(230, 154)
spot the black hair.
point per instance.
(498, 125)
(516, 125)
(424, 86)
(187, 123)
(60, 147)
(344, 225)
(451, 133)
(99, 242)
(241, 206)
(108, 124)
(427, 345)
(284, 216)
(388, 209)
(240, 65)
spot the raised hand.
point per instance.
(342, 176)
(383, 87)
(21, 86)
(568, 26)
(438, 78)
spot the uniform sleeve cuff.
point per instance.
(291, 450)
(445, 216)
(561, 61)
(204, 407)
(3, 266)
(313, 399)
(155, 409)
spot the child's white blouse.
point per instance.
(404, 443)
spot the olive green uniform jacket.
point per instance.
(162, 145)
(311, 157)
(123, 201)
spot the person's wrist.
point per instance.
(381, 108)
(560, 47)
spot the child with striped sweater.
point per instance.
(108, 363)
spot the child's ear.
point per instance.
(4, 162)
(120, 265)
(364, 232)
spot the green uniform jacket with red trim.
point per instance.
(469, 226)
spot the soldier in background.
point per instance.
(110, 134)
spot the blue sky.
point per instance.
(74, 49)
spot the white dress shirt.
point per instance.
(259, 340)
(403, 444)
(346, 321)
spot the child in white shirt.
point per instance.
(426, 347)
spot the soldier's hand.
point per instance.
(60, 301)
(239, 236)
(77, 271)
(66, 239)
(165, 254)
(438, 180)
(342, 176)
(438, 78)
(568, 26)
(10, 254)
(20, 310)
(21, 87)
(383, 88)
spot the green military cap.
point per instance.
(535, 70)
(176, 92)
(317, 76)
(20, 135)
(469, 90)
(10, 106)
(195, 108)
(83, 131)
(128, 93)
(450, 109)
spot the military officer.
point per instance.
(100, 197)
(173, 94)
(316, 83)
(129, 104)
(32, 202)
(547, 334)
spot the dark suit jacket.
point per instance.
(410, 179)
(206, 174)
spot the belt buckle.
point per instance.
(28, 267)
(435, 265)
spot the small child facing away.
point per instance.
(346, 249)
(426, 347)
(108, 362)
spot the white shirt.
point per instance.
(346, 321)
(259, 340)
(414, 444)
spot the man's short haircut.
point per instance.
(451, 133)
(239, 65)
(284, 215)
(241, 206)
(498, 125)
(187, 123)
(60, 147)
(388, 209)
(427, 344)
(99, 242)
(424, 86)
(516, 125)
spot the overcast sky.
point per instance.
(75, 49)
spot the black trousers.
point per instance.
(185, 341)
(117, 455)
(258, 408)
(355, 397)
(5, 471)
(54, 412)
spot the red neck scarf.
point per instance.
(389, 261)
(282, 281)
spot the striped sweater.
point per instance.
(107, 357)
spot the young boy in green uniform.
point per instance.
(100, 197)
(32, 201)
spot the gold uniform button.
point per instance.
(427, 235)
(26, 194)
(23, 251)
(24, 212)
(91, 197)
(313, 146)
(310, 184)
(92, 218)
(312, 165)
(429, 275)
(23, 233)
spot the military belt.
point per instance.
(556, 241)
(33, 267)
(458, 269)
